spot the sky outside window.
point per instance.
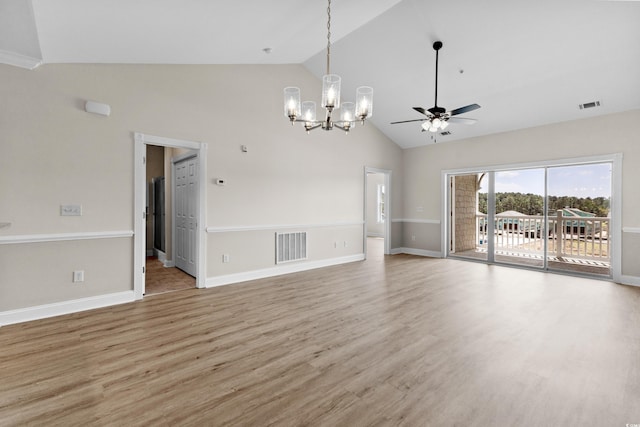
(593, 180)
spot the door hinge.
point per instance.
(144, 215)
(143, 270)
(144, 160)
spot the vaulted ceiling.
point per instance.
(526, 63)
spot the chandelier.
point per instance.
(305, 112)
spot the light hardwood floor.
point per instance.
(396, 340)
(160, 279)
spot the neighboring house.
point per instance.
(579, 226)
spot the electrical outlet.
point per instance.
(413, 238)
(335, 245)
(419, 209)
(78, 276)
(225, 257)
(345, 243)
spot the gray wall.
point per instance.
(605, 135)
(54, 153)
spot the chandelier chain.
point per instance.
(329, 38)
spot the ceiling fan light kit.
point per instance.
(438, 118)
(305, 112)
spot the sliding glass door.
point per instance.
(579, 208)
(520, 226)
(549, 217)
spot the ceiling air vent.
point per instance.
(591, 104)
(445, 133)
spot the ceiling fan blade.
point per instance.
(462, 120)
(465, 109)
(407, 121)
(421, 110)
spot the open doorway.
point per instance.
(376, 212)
(162, 274)
(175, 151)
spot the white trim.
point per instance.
(62, 237)
(149, 252)
(631, 229)
(279, 270)
(616, 217)
(388, 194)
(419, 252)
(375, 234)
(17, 60)
(141, 140)
(280, 227)
(417, 221)
(64, 307)
(166, 142)
(162, 257)
(629, 280)
(540, 164)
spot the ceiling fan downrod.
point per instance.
(437, 46)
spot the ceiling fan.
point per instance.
(439, 118)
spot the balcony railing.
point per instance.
(581, 238)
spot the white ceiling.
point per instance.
(526, 63)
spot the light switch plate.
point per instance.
(70, 210)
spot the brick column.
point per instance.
(465, 212)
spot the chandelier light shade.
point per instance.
(292, 103)
(364, 102)
(348, 114)
(308, 114)
(305, 112)
(331, 91)
(309, 111)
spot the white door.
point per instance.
(185, 221)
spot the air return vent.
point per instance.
(291, 246)
(591, 104)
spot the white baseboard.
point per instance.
(630, 280)
(375, 234)
(279, 270)
(149, 252)
(64, 307)
(413, 251)
(162, 257)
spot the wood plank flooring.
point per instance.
(160, 279)
(395, 340)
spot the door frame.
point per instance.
(141, 140)
(616, 195)
(387, 204)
